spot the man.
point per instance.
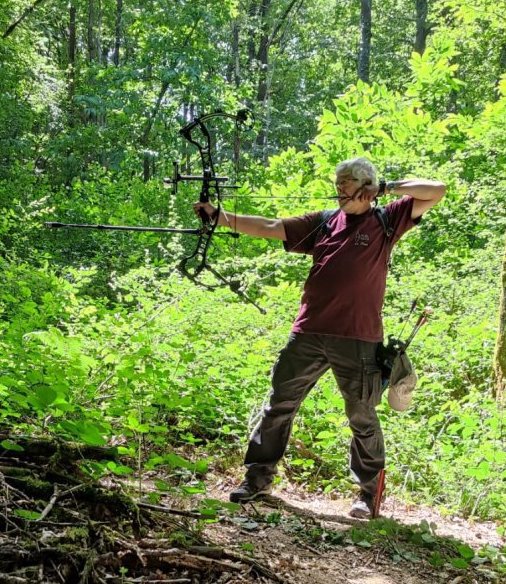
(339, 322)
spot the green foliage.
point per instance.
(102, 341)
(477, 30)
(434, 76)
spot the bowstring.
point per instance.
(232, 227)
(237, 153)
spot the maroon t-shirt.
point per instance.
(344, 292)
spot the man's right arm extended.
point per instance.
(247, 224)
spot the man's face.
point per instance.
(347, 188)
(346, 185)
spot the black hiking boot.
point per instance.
(363, 506)
(245, 492)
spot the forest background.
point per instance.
(103, 341)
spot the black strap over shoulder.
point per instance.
(379, 212)
(324, 220)
(383, 218)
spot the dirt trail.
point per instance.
(292, 532)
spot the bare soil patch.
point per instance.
(301, 544)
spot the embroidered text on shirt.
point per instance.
(361, 239)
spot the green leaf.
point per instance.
(428, 538)
(297, 462)
(411, 557)
(233, 507)
(466, 552)
(119, 469)
(207, 512)
(162, 486)
(194, 490)
(176, 461)
(459, 563)
(46, 395)
(90, 434)
(217, 504)
(325, 435)
(9, 445)
(201, 466)
(25, 514)
(436, 559)
(154, 461)
(481, 472)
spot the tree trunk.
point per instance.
(262, 58)
(147, 160)
(117, 31)
(502, 60)
(251, 33)
(25, 14)
(364, 55)
(502, 70)
(71, 81)
(72, 57)
(233, 69)
(269, 37)
(422, 30)
(93, 40)
(500, 348)
(147, 165)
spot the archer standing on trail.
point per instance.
(339, 322)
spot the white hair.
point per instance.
(360, 169)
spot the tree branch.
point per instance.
(273, 38)
(163, 90)
(25, 14)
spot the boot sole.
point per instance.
(244, 499)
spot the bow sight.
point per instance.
(176, 178)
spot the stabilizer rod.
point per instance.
(56, 225)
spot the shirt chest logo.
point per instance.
(361, 239)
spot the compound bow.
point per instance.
(196, 262)
(192, 265)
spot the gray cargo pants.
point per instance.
(305, 358)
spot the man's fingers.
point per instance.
(357, 194)
(205, 208)
(368, 193)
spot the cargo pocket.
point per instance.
(371, 384)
